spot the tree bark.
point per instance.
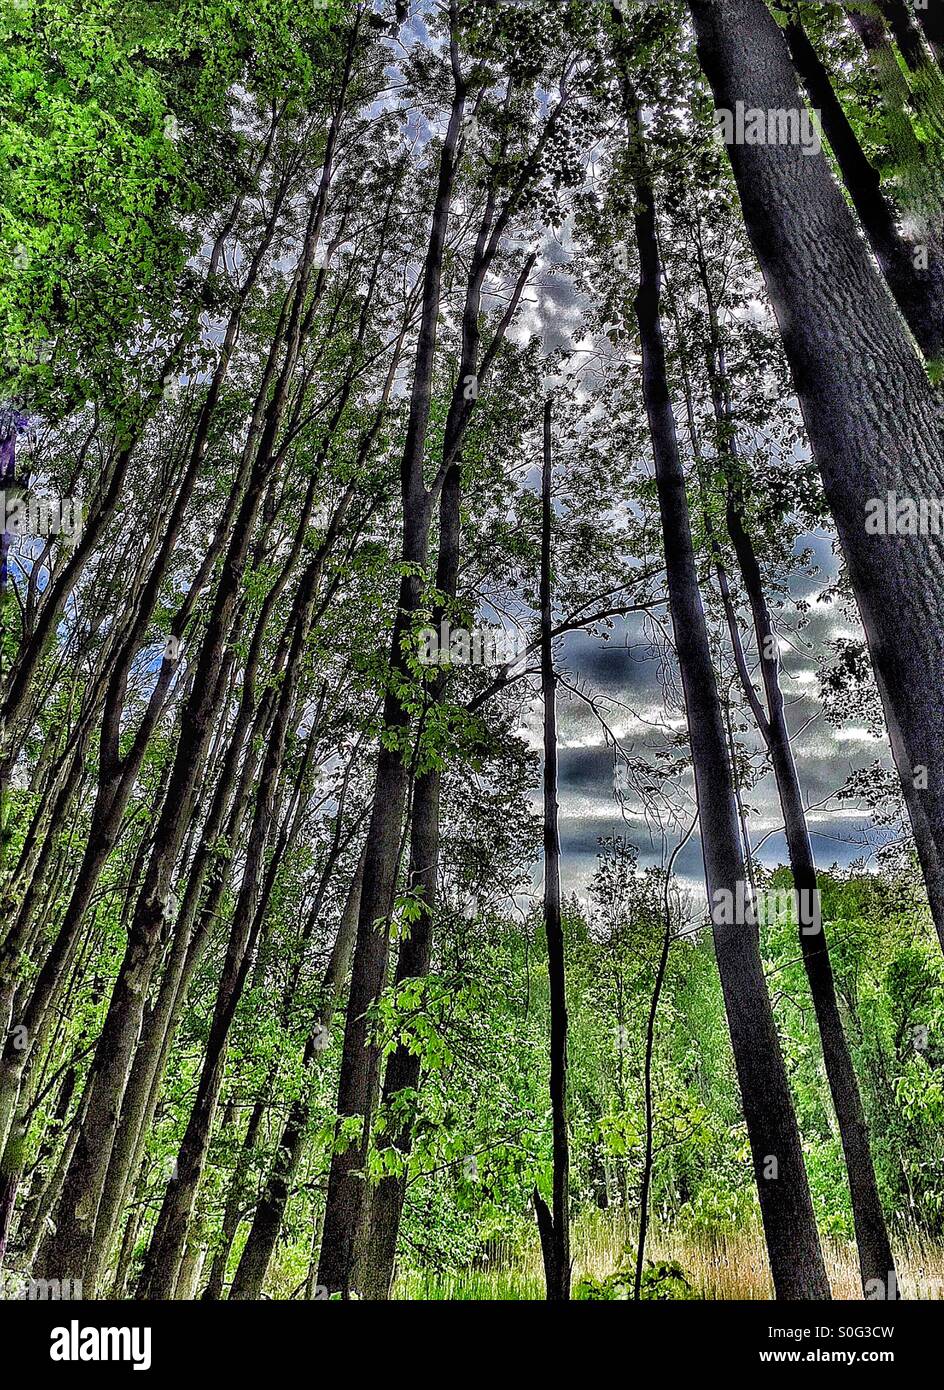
(918, 293)
(907, 35)
(932, 22)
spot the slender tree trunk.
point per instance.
(648, 1156)
(345, 1203)
(871, 415)
(270, 1209)
(874, 1248)
(555, 1233)
(226, 815)
(786, 1208)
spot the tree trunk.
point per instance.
(345, 1203)
(786, 1208)
(270, 1209)
(900, 20)
(557, 1237)
(871, 415)
(918, 293)
(932, 22)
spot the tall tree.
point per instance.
(553, 1223)
(792, 1239)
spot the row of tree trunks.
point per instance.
(345, 1203)
(267, 1221)
(371, 1248)
(872, 416)
(67, 1249)
(168, 1242)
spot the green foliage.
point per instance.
(662, 1280)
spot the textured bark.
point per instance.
(786, 1208)
(919, 293)
(11, 1169)
(872, 418)
(901, 21)
(903, 96)
(235, 1200)
(68, 1248)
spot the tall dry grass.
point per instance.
(725, 1266)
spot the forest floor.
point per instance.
(729, 1266)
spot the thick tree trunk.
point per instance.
(871, 415)
(918, 292)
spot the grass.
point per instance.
(728, 1266)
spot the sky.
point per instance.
(626, 671)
